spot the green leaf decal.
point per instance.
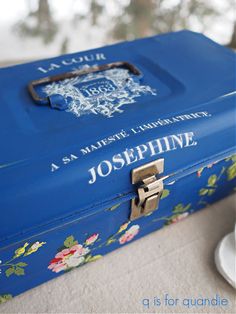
(110, 241)
(212, 180)
(19, 271)
(210, 192)
(233, 158)
(231, 172)
(70, 241)
(165, 193)
(93, 258)
(21, 264)
(180, 208)
(9, 271)
(5, 297)
(203, 192)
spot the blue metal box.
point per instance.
(102, 147)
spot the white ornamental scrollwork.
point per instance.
(100, 92)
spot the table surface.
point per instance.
(177, 260)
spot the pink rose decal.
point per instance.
(199, 172)
(73, 254)
(179, 217)
(129, 234)
(92, 239)
(68, 258)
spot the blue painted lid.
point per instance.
(72, 149)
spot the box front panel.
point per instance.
(47, 255)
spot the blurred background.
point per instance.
(33, 29)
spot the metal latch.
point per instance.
(150, 188)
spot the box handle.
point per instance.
(57, 101)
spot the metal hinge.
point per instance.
(149, 188)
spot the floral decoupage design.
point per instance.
(124, 235)
(179, 212)
(212, 181)
(199, 172)
(73, 254)
(211, 186)
(231, 170)
(16, 265)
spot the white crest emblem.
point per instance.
(100, 92)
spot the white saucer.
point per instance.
(225, 258)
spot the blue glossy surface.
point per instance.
(189, 73)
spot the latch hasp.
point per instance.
(149, 190)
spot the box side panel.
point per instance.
(81, 242)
